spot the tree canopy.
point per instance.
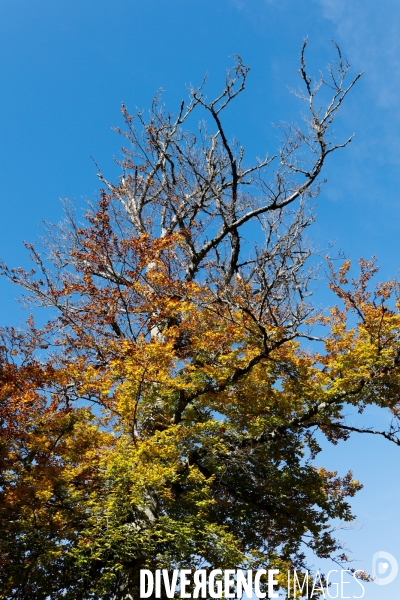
(167, 414)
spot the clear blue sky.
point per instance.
(65, 67)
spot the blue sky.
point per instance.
(66, 66)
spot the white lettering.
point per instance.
(145, 574)
(215, 587)
(200, 582)
(185, 582)
(244, 586)
(170, 587)
(305, 583)
(359, 583)
(158, 584)
(320, 588)
(272, 582)
(344, 582)
(229, 582)
(330, 585)
(257, 590)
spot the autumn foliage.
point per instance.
(168, 414)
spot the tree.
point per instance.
(168, 413)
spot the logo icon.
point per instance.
(381, 561)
